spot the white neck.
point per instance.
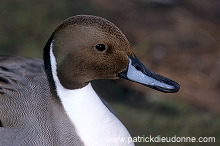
(94, 123)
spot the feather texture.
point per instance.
(29, 113)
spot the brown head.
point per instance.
(88, 47)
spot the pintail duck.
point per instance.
(52, 103)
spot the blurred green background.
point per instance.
(176, 38)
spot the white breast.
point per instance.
(95, 124)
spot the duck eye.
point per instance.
(100, 47)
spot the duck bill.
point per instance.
(137, 72)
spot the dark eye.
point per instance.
(100, 47)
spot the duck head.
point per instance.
(88, 48)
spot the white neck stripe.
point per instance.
(94, 123)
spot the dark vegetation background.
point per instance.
(176, 38)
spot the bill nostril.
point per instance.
(138, 67)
